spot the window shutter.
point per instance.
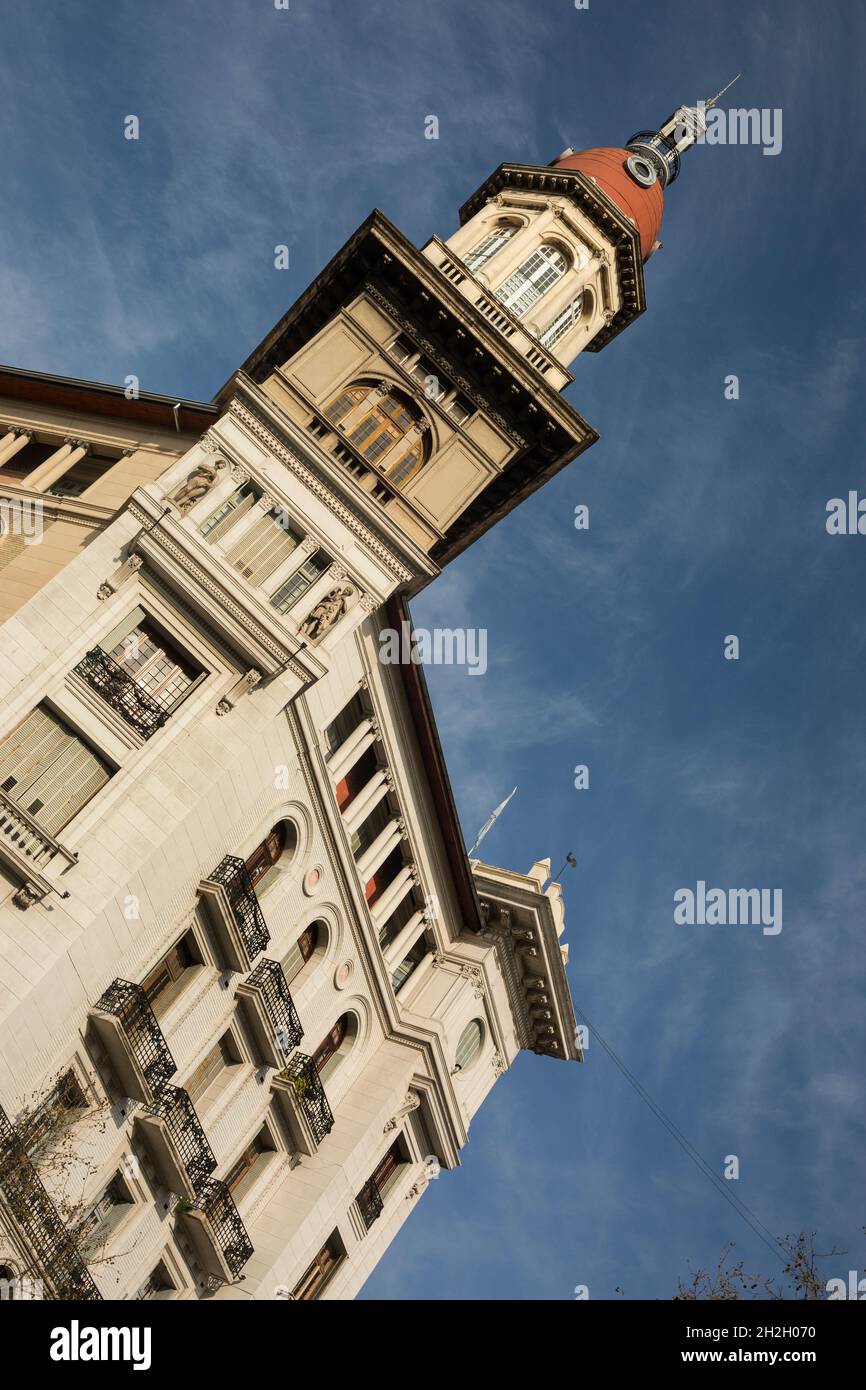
(38, 738)
(124, 628)
(66, 786)
(55, 773)
(264, 547)
(229, 514)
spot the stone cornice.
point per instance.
(246, 627)
(380, 248)
(70, 509)
(523, 900)
(354, 508)
(427, 1043)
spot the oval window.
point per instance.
(469, 1045)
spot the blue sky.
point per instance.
(155, 257)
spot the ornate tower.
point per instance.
(250, 976)
(433, 377)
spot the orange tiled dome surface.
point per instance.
(643, 205)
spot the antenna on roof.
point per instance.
(712, 101)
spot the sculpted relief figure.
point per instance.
(197, 484)
(327, 611)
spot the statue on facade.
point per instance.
(328, 611)
(197, 484)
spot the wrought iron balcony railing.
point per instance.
(118, 689)
(302, 1075)
(232, 875)
(133, 1038)
(57, 1257)
(177, 1140)
(370, 1202)
(271, 1011)
(217, 1217)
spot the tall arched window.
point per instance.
(565, 320)
(533, 278)
(283, 837)
(383, 425)
(302, 951)
(493, 242)
(331, 1043)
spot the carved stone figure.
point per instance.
(196, 485)
(326, 613)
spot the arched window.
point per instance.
(469, 1045)
(533, 278)
(565, 320)
(302, 951)
(493, 242)
(379, 428)
(331, 1043)
(283, 837)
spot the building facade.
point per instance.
(252, 990)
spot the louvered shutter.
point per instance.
(55, 772)
(229, 514)
(262, 549)
(27, 748)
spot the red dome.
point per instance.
(643, 205)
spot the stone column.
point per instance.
(393, 894)
(405, 939)
(367, 799)
(362, 737)
(358, 412)
(375, 855)
(12, 444)
(59, 463)
(401, 446)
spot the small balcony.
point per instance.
(369, 1202)
(176, 1142)
(300, 1089)
(216, 1230)
(270, 1012)
(230, 901)
(118, 689)
(128, 1030)
(28, 850)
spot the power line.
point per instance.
(688, 1148)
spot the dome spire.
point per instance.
(655, 154)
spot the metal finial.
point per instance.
(713, 100)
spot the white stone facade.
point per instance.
(121, 884)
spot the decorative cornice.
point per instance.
(278, 445)
(422, 342)
(158, 539)
(70, 509)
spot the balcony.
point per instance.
(28, 850)
(300, 1088)
(216, 1230)
(270, 1012)
(369, 1201)
(176, 1142)
(233, 911)
(56, 1257)
(128, 1030)
(118, 689)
